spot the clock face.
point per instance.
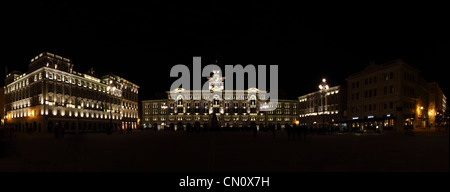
(216, 78)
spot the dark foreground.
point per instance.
(225, 151)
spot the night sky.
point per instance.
(141, 42)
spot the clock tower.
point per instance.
(216, 82)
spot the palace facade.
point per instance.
(324, 108)
(52, 95)
(190, 106)
(392, 96)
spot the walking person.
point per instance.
(288, 129)
(255, 130)
(56, 130)
(59, 131)
(294, 131)
(299, 132)
(305, 131)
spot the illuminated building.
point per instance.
(2, 106)
(331, 103)
(390, 96)
(239, 111)
(437, 103)
(52, 95)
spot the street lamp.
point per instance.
(164, 107)
(323, 86)
(108, 130)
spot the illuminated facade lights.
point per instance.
(56, 94)
(243, 109)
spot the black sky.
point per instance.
(142, 41)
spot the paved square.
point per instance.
(226, 151)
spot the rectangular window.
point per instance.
(171, 108)
(197, 110)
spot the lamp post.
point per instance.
(323, 86)
(109, 130)
(164, 107)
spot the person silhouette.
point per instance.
(299, 132)
(255, 130)
(289, 131)
(305, 131)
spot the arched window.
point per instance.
(180, 104)
(180, 100)
(252, 100)
(216, 100)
